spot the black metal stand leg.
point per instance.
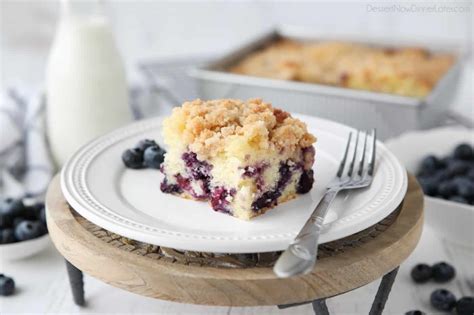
(320, 308)
(383, 292)
(283, 306)
(77, 283)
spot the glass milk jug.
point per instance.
(86, 84)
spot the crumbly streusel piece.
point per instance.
(244, 157)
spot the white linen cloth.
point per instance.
(25, 164)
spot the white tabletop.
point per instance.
(42, 287)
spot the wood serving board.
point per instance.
(233, 280)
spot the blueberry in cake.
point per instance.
(244, 157)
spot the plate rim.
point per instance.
(179, 240)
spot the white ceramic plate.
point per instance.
(130, 203)
(454, 220)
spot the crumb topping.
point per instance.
(410, 71)
(213, 127)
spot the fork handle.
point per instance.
(300, 256)
(313, 226)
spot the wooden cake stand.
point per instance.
(234, 280)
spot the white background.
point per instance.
(153, 29)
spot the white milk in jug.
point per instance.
(86, 84)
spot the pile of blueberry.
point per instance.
(21, 222)
(441, 299)
(7, 285)
(450, 177)
(146, 154)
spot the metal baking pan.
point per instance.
(390, 114)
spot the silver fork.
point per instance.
(300, 256)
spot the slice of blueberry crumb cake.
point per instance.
(243, 157)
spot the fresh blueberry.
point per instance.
(465, 306)
(144, 144)
(27, 230)
(443, 300)
(462, 181)
(10, 209)
(457, 168)
(470, 174)
(13, 207)
(447, 161)
(7, 236)
(7, 285)
(30, 213)
(133, 158)
(463, 152)
(464, 187)
(39, 206)
(39, 209)
(429, 185)
(42, 216)
(446, 189)
(6, 220)
(443, 272)
(441, 175)
(154, 156)
(17, 221)
(421, 273)
(429, 164)
(415, 312)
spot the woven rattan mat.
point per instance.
(229, 260)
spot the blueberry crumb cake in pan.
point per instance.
(244, 157)
(410, 71)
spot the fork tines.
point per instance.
(357, 149)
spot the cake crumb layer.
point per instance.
(235, 128)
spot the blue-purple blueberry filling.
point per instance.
(269, 198)
(219, 196)
(219, 200)
(170, 188)
(200, 173)
(256, 171)
(305, 182)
